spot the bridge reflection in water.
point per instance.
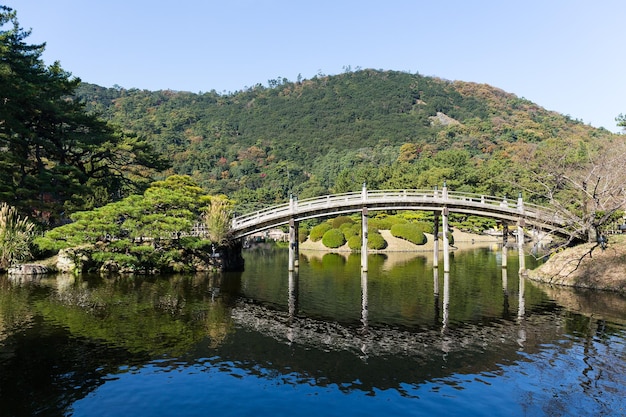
(379, 341)
(441, 203)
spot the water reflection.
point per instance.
(406, 329)
(364, 300)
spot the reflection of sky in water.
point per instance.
(555, 381)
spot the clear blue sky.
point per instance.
(565, 55)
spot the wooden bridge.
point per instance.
(441, 202)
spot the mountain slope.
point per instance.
(331, 133)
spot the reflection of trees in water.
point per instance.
(15, 312)
(140, 314)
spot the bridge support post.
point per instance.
(446, 301)
(436, 241)
(364, 239)
(446, 248)
(293, 294)
(505, 238)
(364, 300)
(520, 246)
(293, 244)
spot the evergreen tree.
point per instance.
(56, 157)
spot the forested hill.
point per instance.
(331, 133)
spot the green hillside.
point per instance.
(330, 133)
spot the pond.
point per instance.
(326, 339)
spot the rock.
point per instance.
(28, 269)
(586, 266)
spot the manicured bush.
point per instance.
(426, 227)
(341, 220)
(376, 241)
(354, 243)
(378, 224)
(303, 232)
(333, 238)
(317, 232)
(349, 231)
(409, 231)
(385, 222)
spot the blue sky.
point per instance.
(565, 55)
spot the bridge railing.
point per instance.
(440, 197)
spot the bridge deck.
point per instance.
(429, 200)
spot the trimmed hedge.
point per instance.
(409, 231)
(317, 232)
(376, 241)
(333, 238)
(426, 227)
(384, 223)
(354, 243)
(341, 220)
(303, 233)
(349, 232)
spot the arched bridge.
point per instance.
(426, 200)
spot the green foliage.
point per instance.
(57, 157)
(142, 232)
(15, 237)
(355, 242)
(333, 239)
(350, 229)
(217, 219)
(341, 220)
(384, 222)
(166, 208)
(303, 233)
(254, 145)
(426, 227)
(317, 232)
(410, 232)
(376, 241)
(473, 224)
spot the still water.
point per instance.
(326, 340)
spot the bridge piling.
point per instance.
(505, 239)
(520, 246)
(364, 238)
(293, 245)
(446, 248)
(436, 241)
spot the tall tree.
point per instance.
(57, 157)
(584, 183)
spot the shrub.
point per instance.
(378, 224)
(385, 223)
(302, 234)
(376, 241)
(426, 227)
(409, 231)
(15, 236)
(341, 220)
(354, 243)
(350, 231)
(317, 232)
(333, 238)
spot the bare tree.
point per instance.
(584, 183)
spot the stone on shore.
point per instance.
(28, 269)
